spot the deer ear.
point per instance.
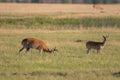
(107, 36)
(54, 47)
(103, 36)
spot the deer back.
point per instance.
(34, 43)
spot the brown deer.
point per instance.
(97, 6)
(36, 44)
(96, 45)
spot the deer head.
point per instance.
(54, 49)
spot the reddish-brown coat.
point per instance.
(36, 44)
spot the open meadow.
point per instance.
(59, 26)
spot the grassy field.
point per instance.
(71, 61)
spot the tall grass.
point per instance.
(59, 23)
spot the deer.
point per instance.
(97, 6)
(34, 43)
(96, 45)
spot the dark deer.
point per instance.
(97, 6)
(96, 45)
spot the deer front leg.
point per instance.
(41, 51)
(98, 50)
(21, 49)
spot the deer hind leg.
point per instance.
(21, 49)
(88, 50)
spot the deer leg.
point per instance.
(21, 49)
(88, 50)
(41, 51)
(98, 50)
(27, 49)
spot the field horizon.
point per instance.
(61, 11)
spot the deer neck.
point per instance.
(50, 51)
(47, 50)
(104, 41)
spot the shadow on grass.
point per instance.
(49, 73)
(117, 74)
(35, 73)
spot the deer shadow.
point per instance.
(117, 74)
(34, 73)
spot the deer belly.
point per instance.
(102, 47)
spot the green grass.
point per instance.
(58, 23)
(71, 62)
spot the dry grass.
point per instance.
(71, 62)
(58, 10)
(93, 29)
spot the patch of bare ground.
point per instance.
(58, 10)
